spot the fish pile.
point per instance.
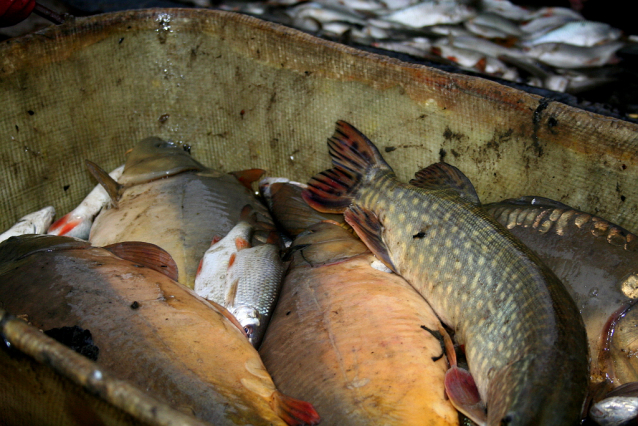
(551, 47)
(353, 299)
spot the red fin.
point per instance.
(247, 214)
(241, 243)
(444, 176)
(464, 395)
(367, 226)
(63, 225)
(146, 254)
(216, 239)
(294, 411)
(108, 183)
(353, 157)
(231, 261)
(199, 267)
(273, 238)
(247, 177)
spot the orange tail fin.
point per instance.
(294, 411)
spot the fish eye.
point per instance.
(186, 148)
(249, 331)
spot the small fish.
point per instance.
(484, 46)
(150, 330)
(525, 341)
(539, 26)
(491, 25)
(167, 198)
(431, 12)
(615, 411)
(78, 222)
(417, 46)
(243, 279)
(506, 9)
(569, 56)
(324, 14)
(356, 341)
(33, 223)
(578, 33)
(596, 260)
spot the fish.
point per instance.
(578, 33)
(416, 46)
(242, 278)
(506, 9)
(524, 339)
(167, 198)
(77, 223)
(32, 223)
(150, 330)
(491, 25)
(357, 342)
(615, 411)
(596, 260)
(542, 25)
(564, 55)
(430, 12)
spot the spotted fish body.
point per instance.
(596, 260)
(525, 341)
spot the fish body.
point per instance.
(33, 223)
(431, 12)
(524, 339)
(579, 33)
(349, 337)
(564, 55)
(168, 199)
(491, 25)
(149, 329)
(596, 260)
(77, 223)
(243, 279)
(615, 411)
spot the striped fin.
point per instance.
(441, 176)
(354, 158)
(294, 411)
(368, 227)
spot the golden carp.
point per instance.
(149, 329)
(598, 263)
(352, 339)
(524, 338)
(165, 197)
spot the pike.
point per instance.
(524, 338)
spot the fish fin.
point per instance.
(529, 200)
(230, 317)
(242, 243)
(146, 254)
(247, 177)
(626, 389)
(354, 157)
(108, 183)
(294, 411)
(231, 293)
(368, 227)
(248, 214)
(64, 225)
(446, 176)
(463, 393)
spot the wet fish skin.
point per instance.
(430, 13)
(32, 223)
(596, 260)
(150, 330)
(164, 188)
(578, 33)
(615, 411)
(525, 341)
(564, 55)
(77, 223)
(349, 337)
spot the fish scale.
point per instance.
(525, 340)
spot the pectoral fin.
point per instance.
(463, 393)
(108, 183)
(146, 254)
(247, 177)
(368, 227)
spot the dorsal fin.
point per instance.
(146, 254)
(108, 183)
(247, 177)
(446, 176)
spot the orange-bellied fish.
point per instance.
(165, 197)
(149, 329)
(356, 341)
(524, 338)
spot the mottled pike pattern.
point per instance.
(525, 341)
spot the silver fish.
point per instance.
(578, 33)
(568, 56)
(33, 223)
(431, 12)
(615, 411)
(491, 25)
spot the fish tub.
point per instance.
(244, 93)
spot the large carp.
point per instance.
(524, 338)
(165, 197)
(354, 340)
(598, 263)
(149, 329)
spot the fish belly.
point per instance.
(354, 341)
(181, 214)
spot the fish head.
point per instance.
(154, 158)
(250, 319)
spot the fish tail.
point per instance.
(355, 159)
(294, 411)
